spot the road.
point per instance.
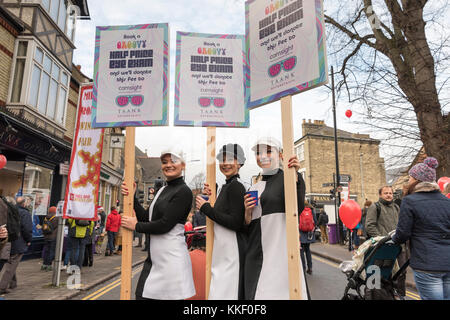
(326, 283)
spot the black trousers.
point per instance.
(88, 255)
(305, 250)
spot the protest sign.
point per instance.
(210, 89)
(131, 76)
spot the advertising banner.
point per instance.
(85, 164)
(131, 76)
(286, 48)
(210, 89)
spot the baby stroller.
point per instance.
(372, 279)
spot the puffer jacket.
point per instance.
(425, 220)
(113, 221)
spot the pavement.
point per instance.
(34, 284)
(339, 253)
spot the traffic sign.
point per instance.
(329, 184)
(345, 178)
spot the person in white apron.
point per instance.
(167, 272)
(227, 265)
(266, 274)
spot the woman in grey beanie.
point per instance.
(424, 219)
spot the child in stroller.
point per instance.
(374, 269)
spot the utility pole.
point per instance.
(338, 182)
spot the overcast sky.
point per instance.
(203, 16)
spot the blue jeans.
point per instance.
(78, 247)
(49, 255)
(68, 253)
(111, 237)
(433, 286)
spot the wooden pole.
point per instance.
(211, 180)
(290, 195)
(127, 235)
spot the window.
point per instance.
(301, 152)
(19, 71)
(57, 10)
(39, 81)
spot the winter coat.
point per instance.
(54, 224)
(425, 221)
(385, 223)
(113, 221)
(308, 237)
(81, 232)
(322, 218)
(3, 220)
(26, 232)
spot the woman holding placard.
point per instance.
(227, 265)
(266, 262)
(167, 272)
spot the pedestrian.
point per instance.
(266, 261)
(230, 239)
(364, 210)
(18, 248)
(167, 272)
(88, 260)
(381, 219)
(3, 230)
(102, 217)
(79, 230)
(118, 237)
(307, 237)
(425, 221)
(112, 228)
(139, 236)
(322, 222)
(50, 230)
(67, 253)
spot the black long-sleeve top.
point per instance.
(229, 209)
(172, 207)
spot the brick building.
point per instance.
(36, 109)
(358, 158)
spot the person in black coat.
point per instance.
(18, 248)
(424, 219)
(228, 214)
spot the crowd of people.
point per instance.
(249, 258)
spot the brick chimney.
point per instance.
(312, 127)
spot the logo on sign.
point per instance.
(72, 197)
(205, 102)
(135, 100)
(286, 64)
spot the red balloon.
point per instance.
(188, 226)
(348, 113)
(441, 182)
(350, 213)
(2, 161)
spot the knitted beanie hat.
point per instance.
(425, 171)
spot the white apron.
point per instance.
(170, 276)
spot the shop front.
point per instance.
(32, 170)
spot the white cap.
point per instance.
(268, 141)
(175, 152)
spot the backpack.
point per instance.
(13, 222)
(324, 218)
(82, 223)
(47, 226)
(306, 223)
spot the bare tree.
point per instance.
(198, 181)
(397, 74)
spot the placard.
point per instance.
(81, 196)
(131, 76)
(211, 82)
(286, 48)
